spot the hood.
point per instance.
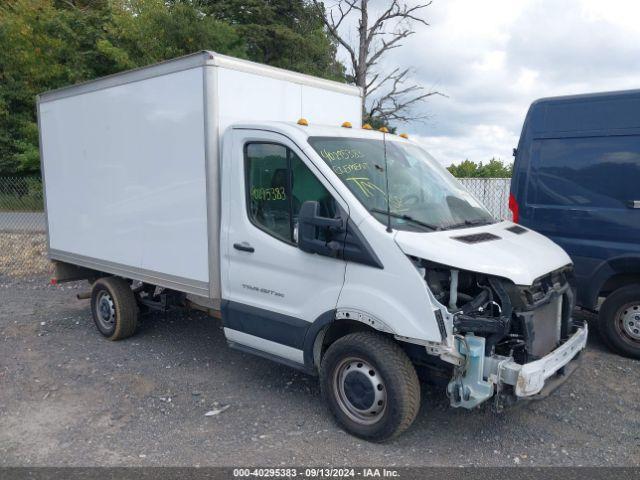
(520, 257)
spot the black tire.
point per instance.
(618, 322)
(114, 308)
(359, 361)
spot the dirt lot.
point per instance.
(69, 397)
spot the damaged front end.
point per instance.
(505, 340)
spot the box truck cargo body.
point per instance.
(254, 194)
(131, 170)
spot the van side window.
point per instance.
(588, 172)
(278, 183)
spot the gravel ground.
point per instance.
(22, 254)
(69, 397)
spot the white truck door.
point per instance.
(271, 290)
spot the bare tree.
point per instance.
(395, 96)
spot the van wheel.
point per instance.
(619, 321)
(370, 386)
(114, 308)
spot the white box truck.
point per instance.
(339, 250)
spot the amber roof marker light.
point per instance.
(366, 126)
(404, 135)
(383, 129)
(304, 122)
(346, 125)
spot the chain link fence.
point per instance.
(22, 223)
(22, 227)
(492, 192)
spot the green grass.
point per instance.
(26, 203)
(20, 194)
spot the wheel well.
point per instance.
(617, 281)
(334, 331)
(439, 372)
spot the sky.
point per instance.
(492, 58)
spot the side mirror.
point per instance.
(311, 227)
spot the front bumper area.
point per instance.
(484, 376)
(529, 379)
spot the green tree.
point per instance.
(284, 33)
(142, 32)
(47, 44)
(494, 169)
(466, 169)
(43, 47)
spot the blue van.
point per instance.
(576, 179)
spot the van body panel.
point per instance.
(131, 161)
(396, 296)
(125, 174)
(520, 257)
(275, 291)
(575, 180)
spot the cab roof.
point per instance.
(311, 130)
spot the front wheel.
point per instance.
(370, 386)
(619, 321)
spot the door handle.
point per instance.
(633, 204)
(244, 247)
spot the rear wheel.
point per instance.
(619, 321)
(114, 308)
(370, 386)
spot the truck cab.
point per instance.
(575, 180)
(349, 235)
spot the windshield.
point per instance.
(423, 195)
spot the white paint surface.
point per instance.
(124, 162)
(277, 276)
(249, 97)
(520, 258)
(125, 174)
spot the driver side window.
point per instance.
(278, 183)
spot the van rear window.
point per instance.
(590, 171)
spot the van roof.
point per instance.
(587, 96)
(319, 130)
(604, 113)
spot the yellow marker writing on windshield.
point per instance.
(366, 185)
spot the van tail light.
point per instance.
(513, 206)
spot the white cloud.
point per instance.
(493, 58)
(474, 144)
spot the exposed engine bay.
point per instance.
(498, 325)
(502, 312)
